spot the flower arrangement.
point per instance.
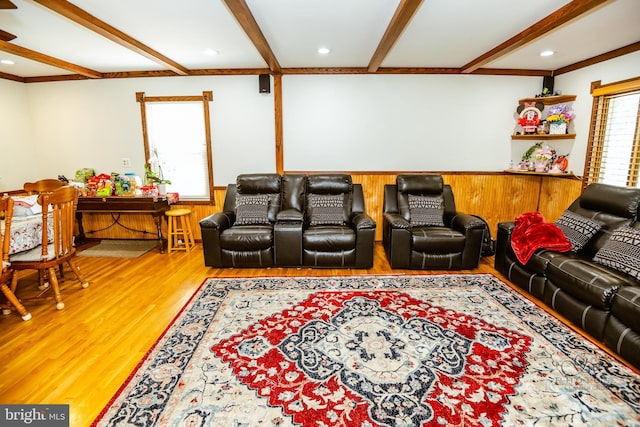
(544, 154)
(560, 114)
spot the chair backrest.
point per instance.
(61, 204)
(320, 186)
(423, 185)
(6, 213)
(268, 184)
(612, 205)
(42, 186)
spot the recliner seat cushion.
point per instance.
(247, 238)
(329, 238)
(437, 240)
(591, 283)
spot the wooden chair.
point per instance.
(42, 186)
(7, 274)
(58, 207)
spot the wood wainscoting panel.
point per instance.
(495, 196)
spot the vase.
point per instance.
(541, 165)
(557, 128)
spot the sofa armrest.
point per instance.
(464, 222)
(218, 221)
(365, 228)
(395, 220)
(503, 242)
(289, 215)
(210, 228)
(362, 221)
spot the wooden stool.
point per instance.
(179, 232)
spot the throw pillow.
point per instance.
(326, 209)
(622, 251)
(426, 210)
(252, 209)
(578, 229)
(26, 205)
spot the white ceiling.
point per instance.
(441, 34)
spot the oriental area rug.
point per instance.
(369, 351)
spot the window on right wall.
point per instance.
(613, 154)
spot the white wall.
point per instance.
(330, 122)
(579, 83)
(94, 124)
(18, 156)
(400, 122)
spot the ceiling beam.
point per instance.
(46, 59)
(81, 17)
(7, 4)
(405, 11)
(5, 36)
(243, 15)
(540, 28)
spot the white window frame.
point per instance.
(207, 96)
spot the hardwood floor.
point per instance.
(81, 355)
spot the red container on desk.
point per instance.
(173, 198)
(149, 191)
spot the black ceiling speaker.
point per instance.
(547, 83)
(264, 81)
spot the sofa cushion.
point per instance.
(578, 229)
(252, 209)
(330, 238)
(622, 251)
(585, 280)
(625, 305)
(426, 210)
(437, 240)
(326, 209)
(247, 238)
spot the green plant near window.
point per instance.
(152, 177)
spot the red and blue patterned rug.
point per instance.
(368, 351)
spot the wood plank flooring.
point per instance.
(81, 355)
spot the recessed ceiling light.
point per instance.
(324, 50)
(210, 52)
(6, 62)
(547, 53)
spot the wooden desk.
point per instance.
(154, 206)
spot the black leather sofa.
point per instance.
(423, 237)
(290, 220)
(602, 300)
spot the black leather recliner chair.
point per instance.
(423, 230)
(249, 242)
(337, 231)
(311, 220)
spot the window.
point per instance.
(177, 142)
(613, 155)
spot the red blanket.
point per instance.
(532, 233)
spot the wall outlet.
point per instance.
(126, 162)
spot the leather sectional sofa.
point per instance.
(597, 287)
(290, 220)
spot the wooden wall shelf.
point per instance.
(545, 136)
(550, 100)
(552, 175)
